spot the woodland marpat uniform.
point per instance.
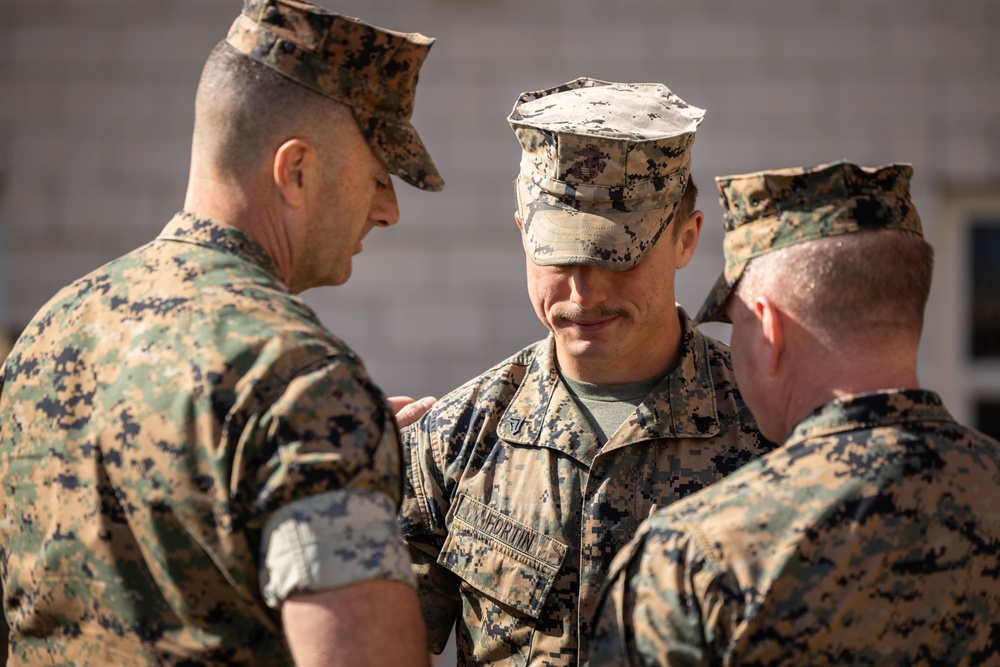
(513, 510)
(872, 537)
(156, 417)
(185, 446)
(767, 211)
(372, 70)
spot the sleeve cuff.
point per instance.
(330, 540)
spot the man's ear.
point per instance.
(517, 219)
(772, 328)
(687, 242)
(293, 170)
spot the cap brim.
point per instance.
(399, 146)
(714, 308)
(558, 235)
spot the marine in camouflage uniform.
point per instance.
(185, 446)
(516, 503)
(872, 535)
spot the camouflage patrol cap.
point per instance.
(372, 70)
(603, 166)
(769, 210)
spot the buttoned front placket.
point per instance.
(659, 455)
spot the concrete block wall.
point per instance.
(96, 106)
(96, 111)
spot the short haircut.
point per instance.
(244, 109)
(848, 286)
(685, 208)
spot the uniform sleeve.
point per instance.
(422, 519)
(662, 604)
(330, 540)
(320, 462)
(329, 429)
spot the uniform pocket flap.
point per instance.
(502, 557)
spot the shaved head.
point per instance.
(849, 287)
(244, 110)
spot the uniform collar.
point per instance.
(544, 414)
(891, 407)
(199, 230)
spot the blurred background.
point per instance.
(97, 106)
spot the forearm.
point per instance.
(369, 624)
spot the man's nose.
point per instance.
(587, 286)
(385, 207)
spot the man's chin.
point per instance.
(584, 348)
(342, 275)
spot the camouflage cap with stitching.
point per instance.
(769, 210)
(372, 70)
(602, 169)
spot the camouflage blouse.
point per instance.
(513, 511)
(154, 416)
(872, 537)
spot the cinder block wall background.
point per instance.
(96, 107)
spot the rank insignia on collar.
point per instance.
(515, 423)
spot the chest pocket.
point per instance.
(512, 563)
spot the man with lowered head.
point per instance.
(871, 535)
(524, 482)
(195, 471)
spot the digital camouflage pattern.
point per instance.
(769, 210)
(372, 70)
(153, 416)
(513, 511)
(602, 168)
(872, 537)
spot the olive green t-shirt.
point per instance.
(607, 406)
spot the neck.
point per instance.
(244, 206)
(824, 379)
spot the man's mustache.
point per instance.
(594, 314)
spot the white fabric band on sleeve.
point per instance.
(329, 540)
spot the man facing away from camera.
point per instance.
(194, 469)
(871, 536)
(524, 482)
